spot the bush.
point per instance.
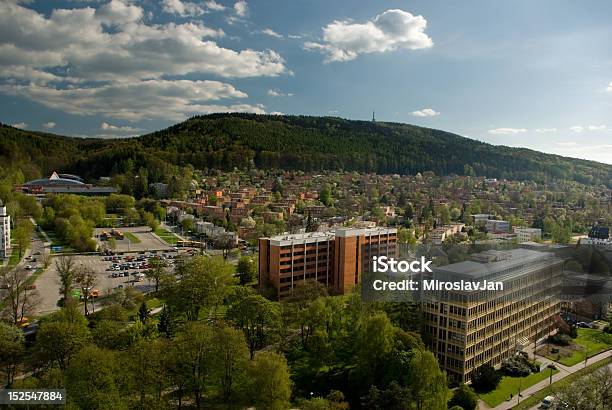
(485, 378)
(519, 366)
(464, 398)
(560, 339)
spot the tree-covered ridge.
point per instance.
(300, 142)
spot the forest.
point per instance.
(226, 141)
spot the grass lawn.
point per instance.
(133, 238)
(166, 236)
(560, 385)
(510, 384)
(594, 341)
(14, 258)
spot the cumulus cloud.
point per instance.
(344, 40)
(75, 39)
(118, 128)
(507, 131)
(20, 125)
(182, 8)
(425, 112)
(49, 125)
(68, 58)
(577, 128)
(150, 99)
(609, 89)
(213, 5)
(544, 130)
(271, 33)
(241, 8)
(277, 93)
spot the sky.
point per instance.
(526, 73)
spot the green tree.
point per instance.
(157, 272)
(22, 234)
(231, 356)
(166, 324)
(270, 381)
(12, 349)
(93, 380)
(65, 268)
(255, 315)
(143, 312)
(464, 397)
(485, 378)
(325, 196)
(246, 269)
(196, 356)
(58, 340)
(147, 371)
(205, 283)
(427, 382)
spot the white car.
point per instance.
(548, 402)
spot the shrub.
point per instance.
(464, 398)
(519, 366)
(485, 378)
(560, 339)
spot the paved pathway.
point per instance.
(563, 372)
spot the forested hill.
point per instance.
(295, 142)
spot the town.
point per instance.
(296, 237)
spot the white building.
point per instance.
(5, 232)
(495, 226)
(481, 219)
(528, 234)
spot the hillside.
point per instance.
(293, 142)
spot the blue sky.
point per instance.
(526, 73)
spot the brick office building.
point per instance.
(336, 258)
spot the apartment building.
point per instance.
(468, 329)
(5, 232)
(336, 258)
(495, 226)
(528, 234)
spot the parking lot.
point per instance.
(148, 240)
(112, 272)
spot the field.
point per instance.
(511, 385)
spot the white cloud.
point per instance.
(49, 125)
(507, 131)
(577, 128)
(111, 49)
(151, 99)
(20, 125)
(294, 36)
(567, 144)
(182, 8)
(118, 128)
(609, 89)
(597, 127)
(277, 93)
(213, 5)
(271, 33)
(425, 112)
(75, 40)
(543, 130)
(241, 8)
(276, 113)
(581, 128)
(344, 40)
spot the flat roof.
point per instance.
(513, 261)
(311, 237)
